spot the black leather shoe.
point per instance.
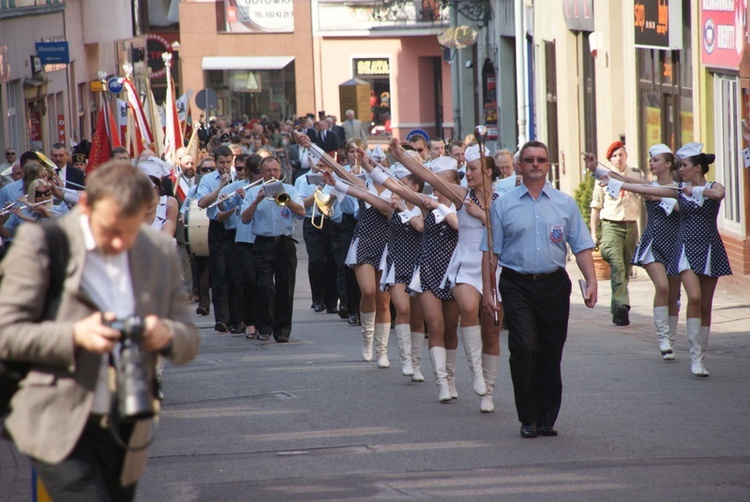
(237, 327)
(343, 313)
(332, 310)
(201, 311)
(353, 320)
(319, 307)
(263, 337)
(529, 431)
(221, 327)
(282, 337)
(547, 431)
(621, 317)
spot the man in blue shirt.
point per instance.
(208, 191)
(531, 228)
(275, 252)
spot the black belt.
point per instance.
(261, 238)
(532, 277)
(623, 223)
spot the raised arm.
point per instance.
(378, 203)
(379, 175)
(342, 173)
(456, 193)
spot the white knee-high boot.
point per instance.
(437, 355)
(451, 355)
(661, 322)
(403, 337)
(417, 342)
(471, 336)
(490, 365)
(367, 319)
(673, 321)
(382, 333)
(695, 335)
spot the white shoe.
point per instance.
(471, 336)
(450, 366)
(368, 330)
(417, 341)
(437, 355)
(490, 365)
(695, 334)
(403, 337)
(661, 322)
(382, 333)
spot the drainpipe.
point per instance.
(521, 71)
(456, 81)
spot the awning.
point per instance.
(246, 62)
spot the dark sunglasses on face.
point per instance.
(530, 160)
(9, 154)
(207, 169)
(39, 194)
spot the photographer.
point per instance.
(115, 269)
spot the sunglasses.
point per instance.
(207, 169)
(9, 154)
(257, 171)
(530, 160)
(45, 193)
(420, 150)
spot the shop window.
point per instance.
(12, 90)
(376, 72)
(728, 149)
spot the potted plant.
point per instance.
(583, 195)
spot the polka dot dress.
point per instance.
(699, 245)
(438, 243)
(659, 238)
(402, 252)
(369, 239)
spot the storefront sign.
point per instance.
(658, 24)
(156, 45)
(259, 16)
(53, 52)
(579, 14)
(61, 129)
(35, 126)
(368, 67)
(722, 33)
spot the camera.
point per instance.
(134, 386)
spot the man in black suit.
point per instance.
(326, 139)
(337, 129)
(73, 178)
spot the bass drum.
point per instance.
(196, 230)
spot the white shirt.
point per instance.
(106, 280)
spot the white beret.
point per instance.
(689, 150)
(443, 164)
(658, 149)
(472, 153)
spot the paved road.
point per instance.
(308, 420)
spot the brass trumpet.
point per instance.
(322, 207)
(275, 191)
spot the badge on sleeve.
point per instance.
(556, 233)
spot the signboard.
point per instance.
(53, 52)
(156, 45)
(61, 129)
(658, 24)
(722, 33)
(579, 14)
(259, 16)
(35, 126)
(370, 67)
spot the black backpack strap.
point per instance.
(59, 256)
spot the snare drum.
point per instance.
(196, 230)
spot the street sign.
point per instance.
(53, 52)
(115, 85)
(206, 99)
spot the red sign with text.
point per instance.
(722, 32)
(35, 126)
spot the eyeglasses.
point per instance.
(420, 150)
(257, 171)
(207, 169)
(45, 193)
(8, 154)
(531, 160)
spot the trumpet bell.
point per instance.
(322, 207)
(281, 199)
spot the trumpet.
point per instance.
(322, 207)
(275, 191)
(225, 197)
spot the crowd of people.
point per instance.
(433, 240)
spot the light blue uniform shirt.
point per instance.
(505, 185)
(348, 205)
(233, 202)
(305, 189)
(530, 236)
(271, 220)
(209, 183)
(14, 221)
(11, 192)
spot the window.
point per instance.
(13, 114)
(728, 150)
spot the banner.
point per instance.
(722, 32)
(259, 16)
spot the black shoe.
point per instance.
(547, 431)
(621, 317)
(353, 320)
(529, 431)
(221, 327)
(201, 311)
(237, 327)
(343, 312)
(319, 307)
(332, 310)
(281, 337)
(263, 337)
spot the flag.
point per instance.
(100, 143)
(173, 131)
(141, 129)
